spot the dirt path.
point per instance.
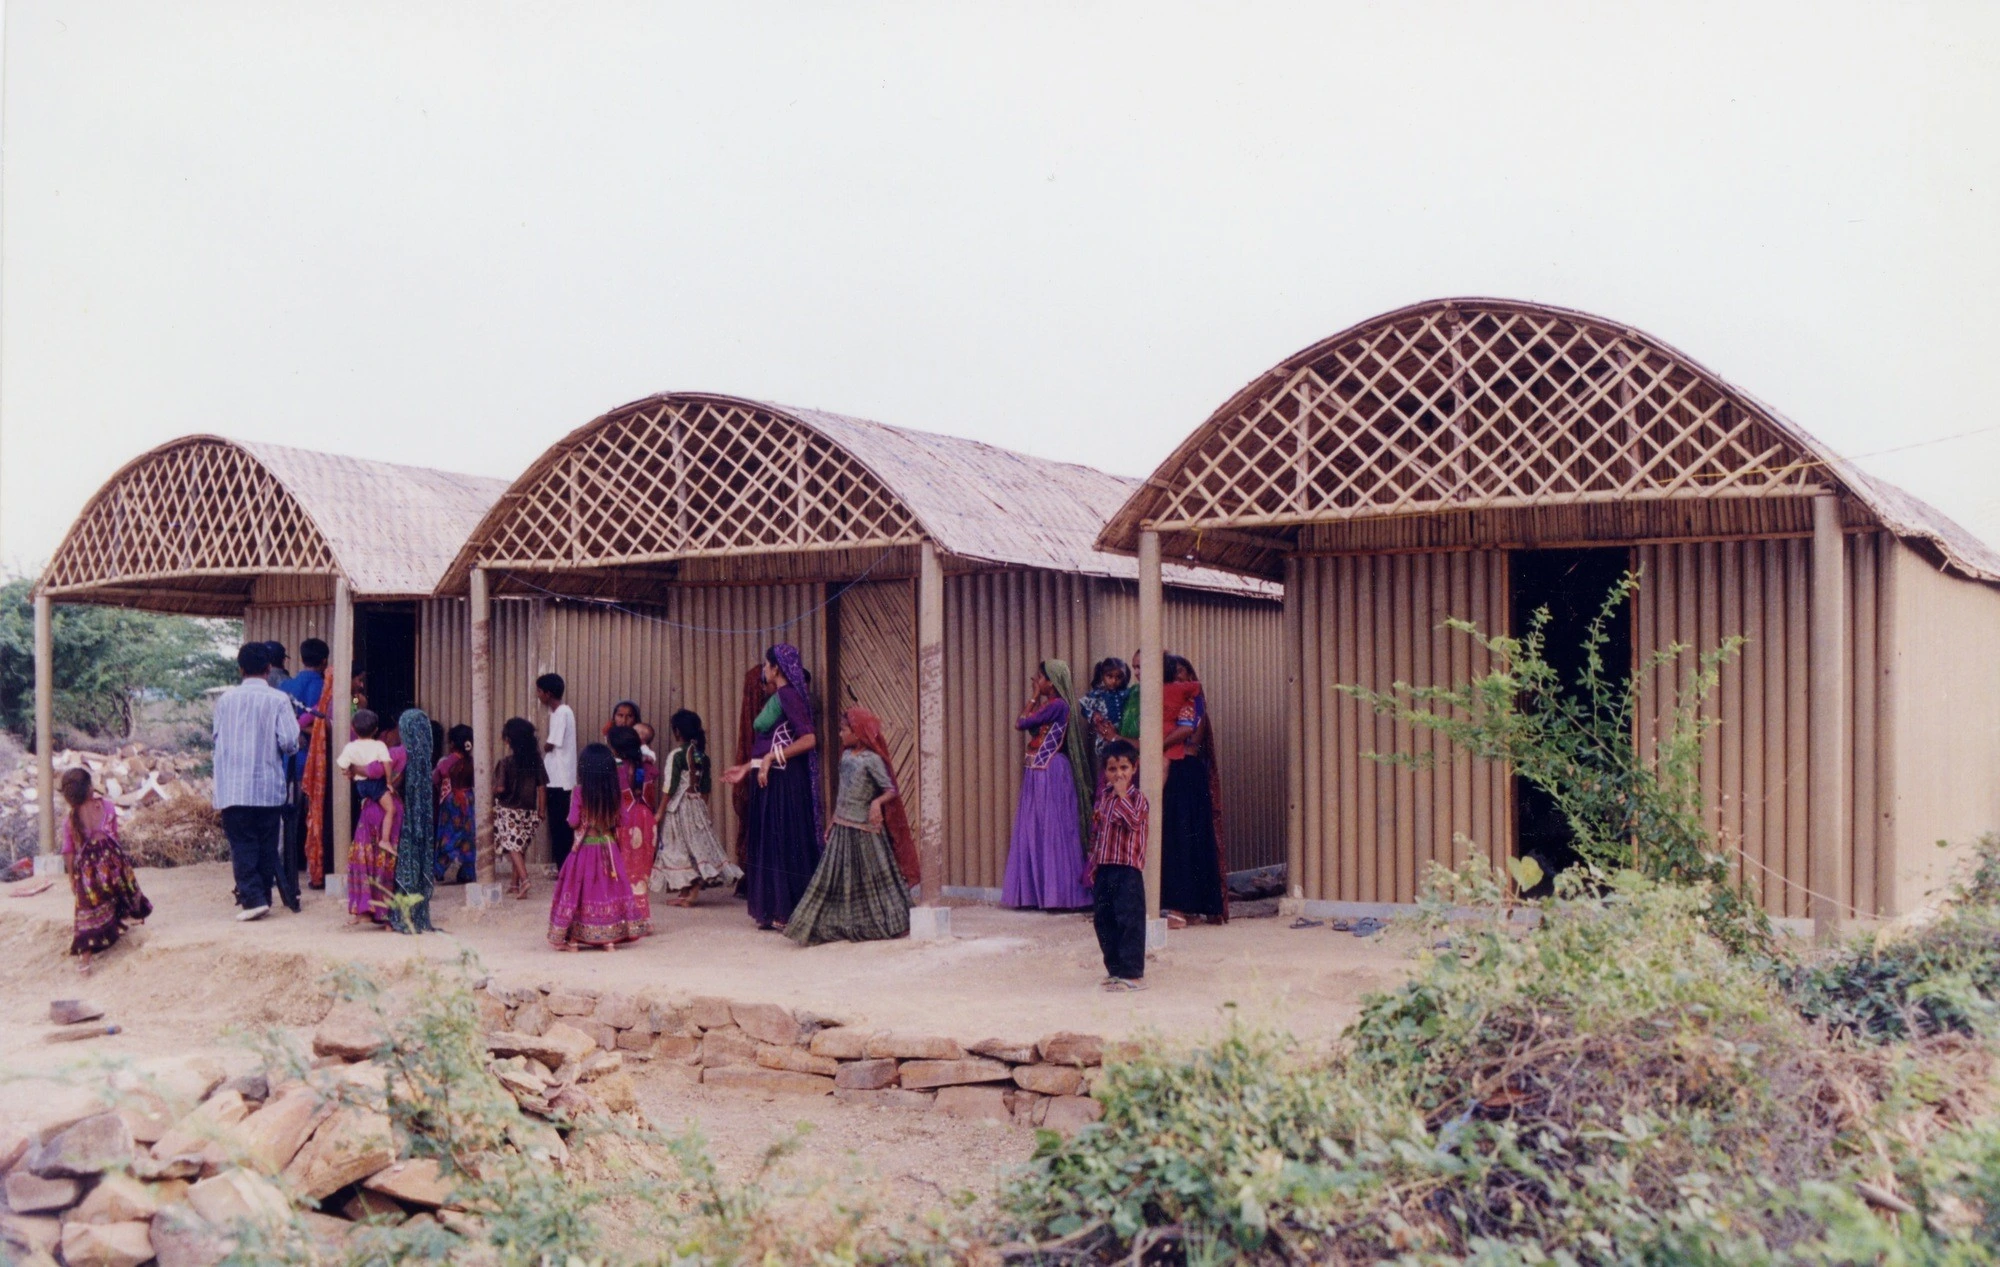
(195, 979)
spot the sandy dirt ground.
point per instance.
(194, 979)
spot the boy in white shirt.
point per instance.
(559, 758)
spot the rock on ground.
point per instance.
(107, 1244)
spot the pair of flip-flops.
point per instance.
(1366, 926)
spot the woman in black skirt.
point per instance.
(1191, 858)
(786, 821)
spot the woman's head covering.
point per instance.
(418, 845)
(1076, 742)
(867, 730)
(786, 657)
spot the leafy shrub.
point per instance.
(1941, 977)
(1611, 1086)
(1574, 740)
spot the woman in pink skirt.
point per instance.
(593, 899)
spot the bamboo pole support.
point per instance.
(340, 716)
(1829, 845)
(1152, 723)
(485, 891)
(932, 920)
(1295, 747)
(45, 728)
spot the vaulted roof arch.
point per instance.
(192, 525)
(702, 487)
(1456, 405)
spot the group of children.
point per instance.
(637, 827)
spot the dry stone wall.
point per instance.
(763, 1047)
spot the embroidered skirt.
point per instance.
(855, 895)
(107, 896)
(689, 852)
(592, 905)
(456, 851)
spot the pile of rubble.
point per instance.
(190, 1156)
(134, 776)
(762, 1047)
(164, 805)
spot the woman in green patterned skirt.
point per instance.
(856, 893)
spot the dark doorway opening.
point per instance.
(385, 647)
(1572, 585)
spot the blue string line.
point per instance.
(674, 624)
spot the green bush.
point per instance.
(105, 659)
(1943, 977)
(1612, 1086)
(1575, 741)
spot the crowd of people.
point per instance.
(626, 825)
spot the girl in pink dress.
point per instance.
(371, 863)
(592, 905)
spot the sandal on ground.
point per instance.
(1123, 985)
(1303, 922)
(1176, 921)
(1368, 926)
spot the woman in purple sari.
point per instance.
(785, 817)
(1045, 860)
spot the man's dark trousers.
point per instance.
(1119, 894)
(562, 837)
(254, 832)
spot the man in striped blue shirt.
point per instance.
(255, 730)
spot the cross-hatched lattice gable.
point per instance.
(1465, 406)
(678, 478)
(204, 507)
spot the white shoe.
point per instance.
(255, 912)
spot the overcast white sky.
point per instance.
(447, 233)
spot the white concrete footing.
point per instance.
(1156, 934)
(483, 894)
(930, 923)
(48, 864)
(336, 887)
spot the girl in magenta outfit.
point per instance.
(100, 877)
(593, 899)
(1045, 860)
(452, 781)
(638, 795)
(376, 770)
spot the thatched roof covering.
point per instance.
(750, 490)
(1468, 407)
(196, 524)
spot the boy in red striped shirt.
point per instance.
(1116, 871)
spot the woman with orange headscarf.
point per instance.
(857, 892)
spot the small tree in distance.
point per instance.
(106, 659)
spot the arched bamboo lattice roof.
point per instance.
(1490, 405)
(692, 486)
(194, 524)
